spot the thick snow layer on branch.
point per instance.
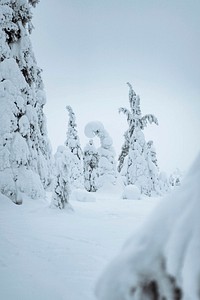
(92, 128)
(161, 260)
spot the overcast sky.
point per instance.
(89, 49)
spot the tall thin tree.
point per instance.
(133, 155)
(73, 144)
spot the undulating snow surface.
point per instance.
(59, 254)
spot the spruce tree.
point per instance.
(76, 157)
(25, 152)
(133, 157)
(61, 189)
(91, 160)
(153, 167)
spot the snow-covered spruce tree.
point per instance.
(153, 167)
(76, 157)
(90, 160)
(171, 270)
(61, 189)
(107, 165)
(133, 158)
(25, 153)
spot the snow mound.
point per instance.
(113, 190)
(161, 260)
(131, 191)
(82, 196)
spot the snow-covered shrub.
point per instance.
(106, 164)
(61, 189)
(24, 145)
(90, 160)
(161, 260)
(140, 167)
(73, 144)
(131, 192)
(82, 196)
(175, 178)
(164, 185)
(24, 181)
(30, 184)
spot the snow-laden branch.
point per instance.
(96, 128)
(132, 93)
(148, 118)
(127, 113)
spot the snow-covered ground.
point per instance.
(58, 255)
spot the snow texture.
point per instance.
(58, 254)
(161, 260)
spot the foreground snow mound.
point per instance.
(131, 191)
(82, 196)
(161, 260)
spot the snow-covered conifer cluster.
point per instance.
(25, 152)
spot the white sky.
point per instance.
(89, 49)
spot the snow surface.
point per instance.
(82, 195)
(59, 254)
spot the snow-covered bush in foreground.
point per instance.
(161, 260)
(131, 192)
